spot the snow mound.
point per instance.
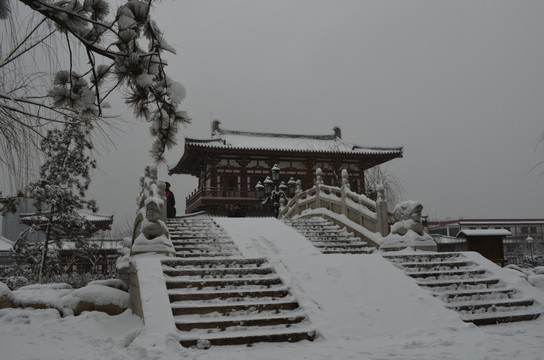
(38, 297)
(97, 297)
(536, 280)
(4, 289)
(113, 283)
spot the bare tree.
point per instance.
(538, 165)
(102, 52)
(392, 184)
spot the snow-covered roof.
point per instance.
(235, 142)
(484, 232)
(222, 138)
(102, 221)
(442, 240)
(489, 222)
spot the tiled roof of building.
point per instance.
(222, 138)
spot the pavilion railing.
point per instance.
(206, 195)
(372, 215)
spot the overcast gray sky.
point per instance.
(459, 84)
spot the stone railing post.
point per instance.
(345, 186)
(318, 183)
(150, 231)
(161, 186)
(382, 224)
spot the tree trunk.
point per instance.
(43, 262)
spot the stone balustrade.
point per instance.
(370, 214)
(150, 233)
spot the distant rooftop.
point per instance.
(483, 232)
(100, 221)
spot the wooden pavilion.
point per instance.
(231, 163)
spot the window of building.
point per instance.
(229, 182)
(533, 229)
(507, 228)
(524, 229)
(454, 231)
(439, 231)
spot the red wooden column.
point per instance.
(362, 186)
(243, 162)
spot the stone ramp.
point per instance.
(466, 287)
(328, 237)
(220, 298)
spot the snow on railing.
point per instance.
(150, 233)
(372, 215)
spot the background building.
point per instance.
(231, 163)
(525, 245)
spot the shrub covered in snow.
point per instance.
(15, 282)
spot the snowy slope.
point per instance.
(363, 307)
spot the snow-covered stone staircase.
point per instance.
(466, 287)
(199, 236)
(221, 298)
(328, 237)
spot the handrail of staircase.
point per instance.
(370, 214)
(150, 232)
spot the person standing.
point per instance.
(170, 202)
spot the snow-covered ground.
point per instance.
(362, 306)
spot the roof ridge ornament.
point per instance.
(216, 130)
(337, 132)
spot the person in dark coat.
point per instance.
(170, 202)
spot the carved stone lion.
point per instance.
(407, 217)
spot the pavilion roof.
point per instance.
(223, 139)
(269, 141)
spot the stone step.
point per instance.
(227, 294)
(224, 323)
(283, 334)
(343, 251)
(354, 241)
(220, 283)
(473, 306)
(219, 271)
(476, 294)
(449, 273)
(205, 247)
(457, 264)
(193, 254)
(489, 304)
(500, 318)
(202, 249)
(457, 283)
(425, 258)
(340, 245)
(223, 308)
(214, 262)
(200, 239)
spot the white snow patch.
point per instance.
(4, 289)
(98, 295)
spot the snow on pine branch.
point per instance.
(123, 49)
